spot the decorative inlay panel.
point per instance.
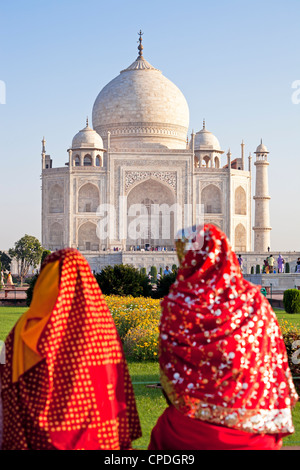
(132, 177)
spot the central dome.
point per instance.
(141, 108)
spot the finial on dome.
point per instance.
(140, 47)
(203, 124)
(87, 121)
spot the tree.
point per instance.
(28, 252)
(44, 255)
(29, 292)
(5, 261)
(164, 284)
(123, 280)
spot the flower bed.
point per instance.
(137, 322)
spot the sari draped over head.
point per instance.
(65, 384)
(222, 355)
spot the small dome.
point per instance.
(87, 138)
(205, 140)
(261, 148)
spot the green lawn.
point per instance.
(150, 401)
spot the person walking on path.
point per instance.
(226, 388)
(9, 280)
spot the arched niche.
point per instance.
(76, 160)
(87, 160)
(240, 201)
(211, 198)
(240, 236)
(87, 237)
(88, 198)
(56, 199)
(56, 236)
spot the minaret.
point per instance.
(243, 154)
(43, 153)
(262, 227)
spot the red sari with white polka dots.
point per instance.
(79, 396)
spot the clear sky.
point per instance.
(235, 62)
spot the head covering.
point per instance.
(222, 356)
(65, 384)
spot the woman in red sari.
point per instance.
(223, 362)
(65, 384)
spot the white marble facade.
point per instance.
(138, 152)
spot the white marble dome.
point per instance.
(87, 138)
(141, 108)
(205, 140)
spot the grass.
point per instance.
(150, 401)
(289, 317)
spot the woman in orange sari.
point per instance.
(65, 384)
(223, 362)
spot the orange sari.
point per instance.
(65, 384)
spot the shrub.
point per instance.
(287, 268)
(123, 280)
(252, 269)
(164, 284)
(153, 272)
(141, 342)
(257, 270)
(291, 301)
(144, 271)
(29, 291)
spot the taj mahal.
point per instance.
(138, 152)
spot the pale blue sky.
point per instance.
(235, 62)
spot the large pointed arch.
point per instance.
(151, 219)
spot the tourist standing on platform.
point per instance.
(227, 387)
(267, 267)
(271, 261)
(280, 262)
(240, 260)
(65, 383)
